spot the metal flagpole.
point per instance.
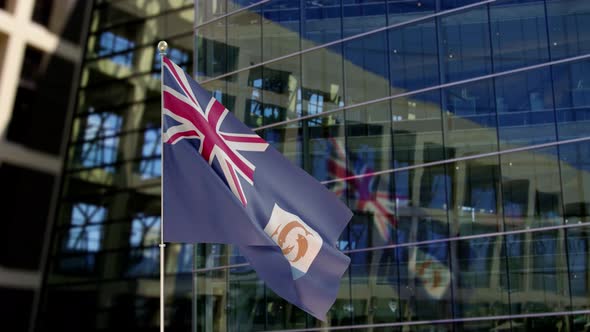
(162, 47)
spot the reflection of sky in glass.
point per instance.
(84, 236)
(98, 150)
(145, 234)
(151, 150)
(145, 230)
(111, 43)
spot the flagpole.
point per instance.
(162, 47)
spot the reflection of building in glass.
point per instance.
(466, 234)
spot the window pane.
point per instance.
(476, 196)
(578, 248)
(417, 129)
(575, 176)
(569, 28)
(371, 198)
(531, 189)
(465, 49)
(525, 108)
(572, 98)
(405, 10)
(519, 33)
(322, 81)
(480, 269)
(470, 119)
(209, 9)
(244, 37)
(280, 28)
(213, 52)
(365, 68)
(322, 23)
(362, 15)
(413, 57)
(282, 90)
(538, 273)
(244, 96)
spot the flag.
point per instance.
(432, 273)
(222, 183)
(366, 192)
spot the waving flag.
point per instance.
(225, 184)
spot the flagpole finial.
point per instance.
(162, 47)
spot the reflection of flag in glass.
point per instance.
(434, 275)
(366, 192)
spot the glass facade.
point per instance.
(475, 114)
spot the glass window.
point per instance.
(324, 155)
(578, 249)
(465, 45)
(470, 119)
(417, 129)
(244, 37)
(422, 201)
(531, 189)
(150, 166)
(365, 68)
(362, 15)
(413, 57)
(375, 286)
(569, 26)
(281, 90)
(538, 274)
(244, 96)
(208, 10)
(519, 33)
(425, 282)
(575, 176)
(572, 98)
(322, 22)
(280, 28)
(371, 198)
(109, 43)
(405, 10)
(476, 198)
(477, 291)
(525, 108)
(322, 81)
(100, 147)
(84, 237)
(212, 56)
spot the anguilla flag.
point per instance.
(222, 183)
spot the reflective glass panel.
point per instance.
(531, 189)
(525, 108)
(465, 44)
(413, 57)
(519, 33)
(365, 68)
(572, 98)
(322, 84)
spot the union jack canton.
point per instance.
(204, 125)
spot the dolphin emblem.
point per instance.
(302, 244)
